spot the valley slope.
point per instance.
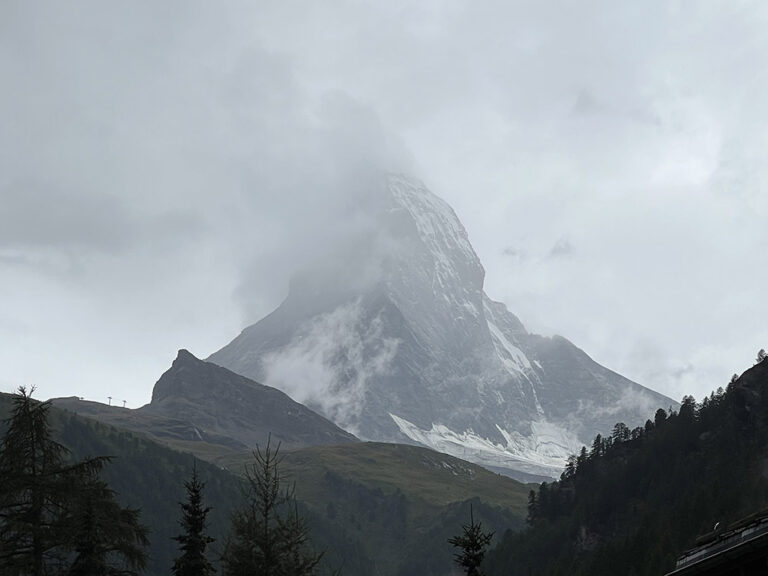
(376, 509)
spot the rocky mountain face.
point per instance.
(197, 404)
(395, 340)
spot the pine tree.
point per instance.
(193, 540)
(533, 508)
(268, 537)
(472, 543)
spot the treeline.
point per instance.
(633, 501)
(59, 516)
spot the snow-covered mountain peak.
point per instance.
(394, 339)
(437, 224)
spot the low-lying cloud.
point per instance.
(329, 363)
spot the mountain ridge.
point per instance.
(198, 402)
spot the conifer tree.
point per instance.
(105, 538)
(268, 537)
(56, 517)
(472, 543)
(33, 491)
(193, 540)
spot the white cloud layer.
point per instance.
(165, 166)
(328, 365)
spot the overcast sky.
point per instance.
(164, 166)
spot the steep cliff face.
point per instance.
(396, 341)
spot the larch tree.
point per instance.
(56, 515)
(268, 536)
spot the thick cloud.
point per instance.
(164, 167)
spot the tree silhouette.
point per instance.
(56, 516)
(268, 537)
(472, 543)
(107, 539)
(193, 540)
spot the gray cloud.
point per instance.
(41, 214)
(164, 168)
(563, 248)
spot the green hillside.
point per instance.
(375, 509)
(405, 500)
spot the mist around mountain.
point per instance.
(380, 509)
(394, 339)
(633, 501)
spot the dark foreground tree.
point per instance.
(106, 539)
(193, 540)
(56, 517)
(268, 537)
(472, 543)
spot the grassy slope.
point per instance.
(403, 502)
(406, 499)
(376, 508)
(437, 479)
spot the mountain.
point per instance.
(394, 339)
(200, 406)
(638, 499)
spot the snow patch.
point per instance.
(545, 451)
(513, 359)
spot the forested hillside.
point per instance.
(150, 477)
(632, 502)
(373, 508)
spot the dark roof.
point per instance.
(725, 545)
